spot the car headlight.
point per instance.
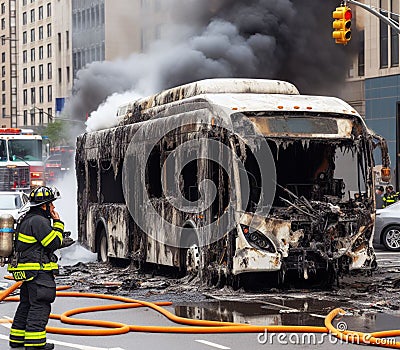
(257, 240)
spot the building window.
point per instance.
(40, 52)
(25, 117)
(32, 117)
(41, 75)
(32, 35)
(97, 10)
(3, 71)
(25, 56)
(3, 57)
(33, 96)
(33, 70)
(41, 97)
(24, 18)
(83, 20)
(67, 39)
(49, 9)
(394, 37)
(102, 14)
(24, 37)
(48, 50)
(32, 55)
(3, 85)
(40, 12)
(23, 2)
(41, 117)
(3, 99)
(4, 113)
(41, 33)
(59, 41)
(68, 74)
(60, 75)
(49, 93)
(93, 17)
(49, 30)
(78, 21)
(25, 96)
(49, 114)
(49, 71)
(32, 16)
(383, 36)
(3, 8)
(25, 75)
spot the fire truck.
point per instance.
(21, 163)
(59, 163)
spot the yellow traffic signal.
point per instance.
(342, 25)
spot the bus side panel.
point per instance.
(115, 219)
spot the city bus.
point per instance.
(230, 179)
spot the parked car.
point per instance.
(11, 203)
(387, 227)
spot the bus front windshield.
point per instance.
(25, 150)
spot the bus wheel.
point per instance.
(192, 259)
(102, 246)
(189, 254)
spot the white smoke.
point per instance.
(106, 115)
(66, 207)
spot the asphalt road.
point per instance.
(145, 316)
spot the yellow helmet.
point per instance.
(42, 195)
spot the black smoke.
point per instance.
(277, 39)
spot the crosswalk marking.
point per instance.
(218, 346)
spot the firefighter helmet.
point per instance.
(42, 195)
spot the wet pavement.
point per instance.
(373, 300)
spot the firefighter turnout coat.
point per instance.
(34, 245)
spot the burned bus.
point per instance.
(227, 178)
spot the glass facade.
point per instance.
(88, 32)
(382, 96)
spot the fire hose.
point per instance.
(196, 326)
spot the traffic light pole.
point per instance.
(389, 21)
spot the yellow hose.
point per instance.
(376, 338)
(192, 326)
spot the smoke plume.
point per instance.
(277, 39)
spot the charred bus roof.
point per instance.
(238, 95)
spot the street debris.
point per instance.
(361, 292)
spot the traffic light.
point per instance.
(342, 25)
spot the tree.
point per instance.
(57, 133)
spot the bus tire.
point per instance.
(102, 246)
(188, 253)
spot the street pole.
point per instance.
(389, 21)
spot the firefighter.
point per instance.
(390, 196)
(35, 264)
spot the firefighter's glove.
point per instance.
(67, 240)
